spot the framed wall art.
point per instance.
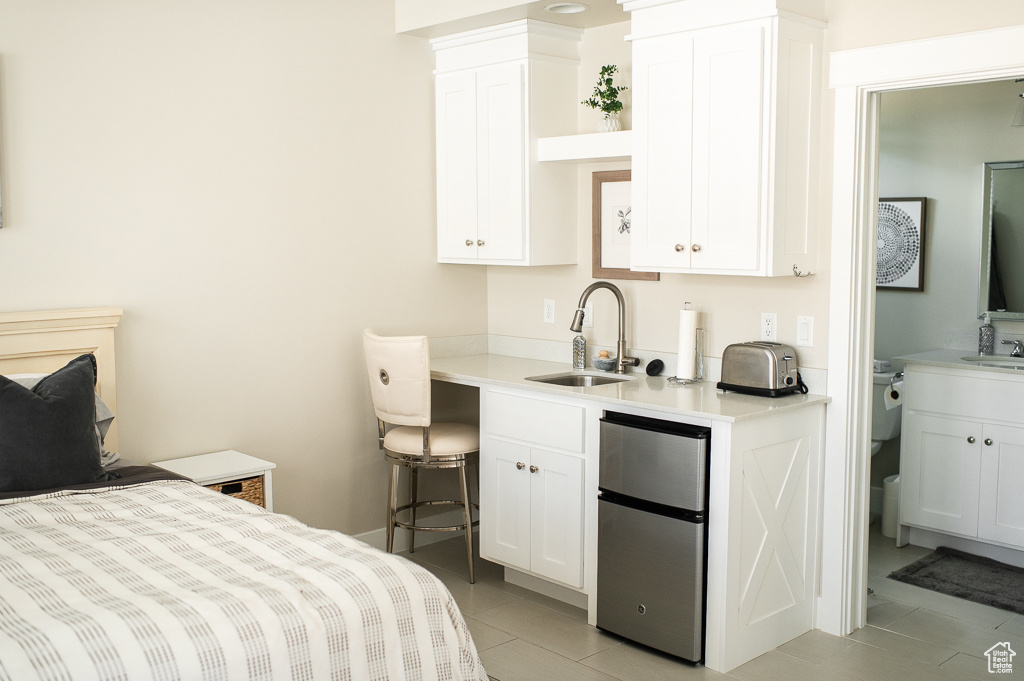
(900, 259)
(612, 221)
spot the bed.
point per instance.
(139, 574)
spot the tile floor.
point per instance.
(912, 633)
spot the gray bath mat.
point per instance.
(973, 578)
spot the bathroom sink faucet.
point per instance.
(1018, 348)
(577, 323)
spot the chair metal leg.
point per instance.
(414, 480)
(392, 505)
(468, 517)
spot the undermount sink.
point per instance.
(996, 361)
(1004, 365)
(578, 380)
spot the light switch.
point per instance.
(805, 331)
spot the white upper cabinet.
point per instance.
(725, 138)
(497, 91)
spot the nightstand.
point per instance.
(229, 472)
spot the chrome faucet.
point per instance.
(1018, 347)
(620, 347)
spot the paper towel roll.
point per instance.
(894, 395)
(686, 366)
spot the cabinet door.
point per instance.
(557, 516)
(727, 190)
(940, 470)
(501, 163)
(505, 502)
(662, 152)
(1001, 511)
(456, 102)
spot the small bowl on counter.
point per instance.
(604, 363)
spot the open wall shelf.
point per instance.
(592, 147)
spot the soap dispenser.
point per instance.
(986, 338)
(579, 352)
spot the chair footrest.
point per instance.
(429, 528)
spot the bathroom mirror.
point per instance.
(1001, 289)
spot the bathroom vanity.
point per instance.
(962, 456)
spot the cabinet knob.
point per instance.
(534, 469)
(680, 247)
(520, 465)
(469, 242)
(988, 441)
(480, 242)
(970, 439)
(695, 248)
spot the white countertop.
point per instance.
(655, 393)
(953, 359)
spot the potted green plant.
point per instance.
(606, 98)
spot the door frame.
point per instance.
(857, 78)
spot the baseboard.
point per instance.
(379, 538)
(561, 593)
(931, 540)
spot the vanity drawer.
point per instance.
(974, 394)
(542, 422)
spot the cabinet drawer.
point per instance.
(538, 421)
(981, 395)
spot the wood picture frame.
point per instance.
(900, 257)
(610, 210)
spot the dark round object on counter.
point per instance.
(655, 367)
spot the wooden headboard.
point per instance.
(42, 342)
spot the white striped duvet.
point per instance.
(168, 581)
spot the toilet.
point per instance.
(885, 423)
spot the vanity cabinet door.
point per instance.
(505, 502)
(556, 546)
(940, 473)
(1001, 512)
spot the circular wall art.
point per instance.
(900, 243)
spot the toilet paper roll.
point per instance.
(894, 395)
(686, 366)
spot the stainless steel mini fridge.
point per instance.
(652, 538)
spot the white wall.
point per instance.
(934, 143)
(252, 181)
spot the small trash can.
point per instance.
(890, 505)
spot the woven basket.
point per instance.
(250, 489)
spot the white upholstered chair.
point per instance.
(399, 371)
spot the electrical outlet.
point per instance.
(805, 331)
(588, 315)
(549, 311)
(769, 326)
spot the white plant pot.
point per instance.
(610, 123)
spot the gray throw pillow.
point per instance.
(48, 434)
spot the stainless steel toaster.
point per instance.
(759, 368)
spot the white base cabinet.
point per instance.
(539, 460)
(962, 453)
(532, 463)
(533, 501)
